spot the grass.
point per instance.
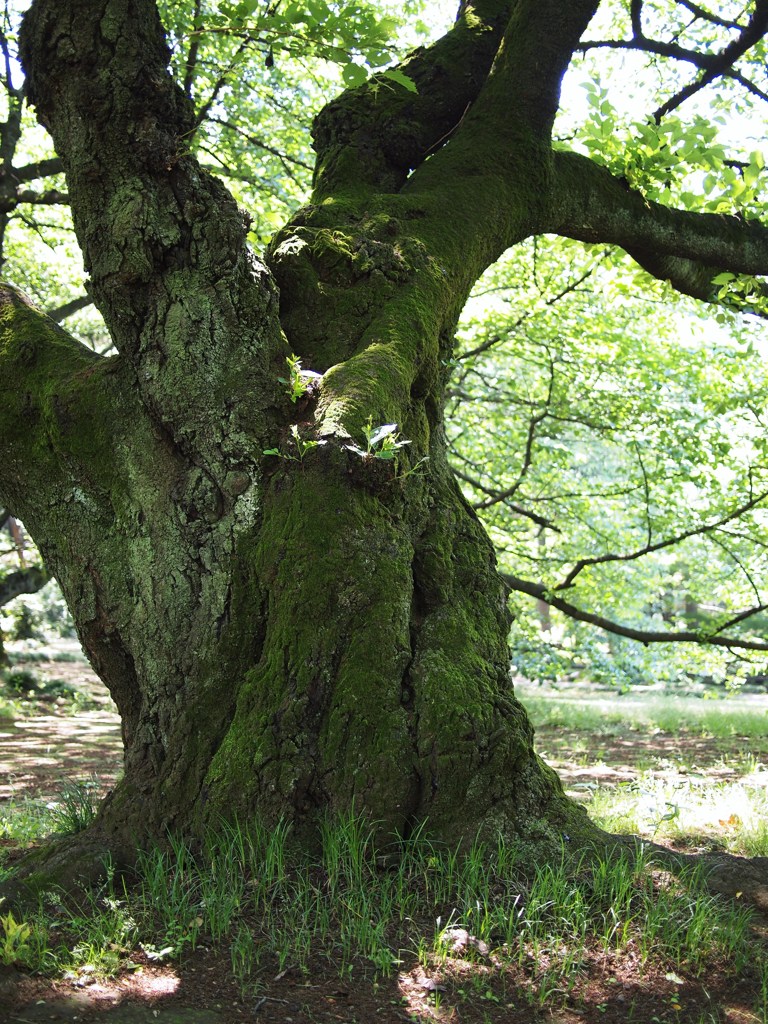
(720, 807)
(24, 821)
(496, 938)
(45, 654)
(729, 816)
(721, 717)
(21, 687)
(488, 926)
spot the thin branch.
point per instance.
(15, 93)
(194, 47)
(736, 619)
(542, 593)
(647, 493)
(745, 536)
(572, 286)
(699, 12)
(745, 572)
(658, 47)
(696, 531)
(496, 497)
(37, 226)
(254, 141)
(752, 32)
(73, 306)
(713, 65)
(533, 423)
(620, 492)
(748, 85)
(202, 113)
(223, 170)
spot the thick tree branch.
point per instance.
(38, 364)
(541, 34)
(163, 241)
(487, 189)
(73, 306)
(41, 169)
(636, 17)
(377, 134)
(23, 581)
(688, 249)
(31, 198)
(541, 593)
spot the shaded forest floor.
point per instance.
(63, 730)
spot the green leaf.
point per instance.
(378, 435)
(354, 75)
(396, 75)
(318, 10)
(294, 14)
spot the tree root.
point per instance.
(739, 878)
(69, 866)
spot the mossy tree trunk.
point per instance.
(286, 635)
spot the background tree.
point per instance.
(322, 627)
(613, 445)
(17, 575)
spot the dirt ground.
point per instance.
(54, 741)
(51, 743)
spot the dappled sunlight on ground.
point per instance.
(697, 784)
(38, 754)
(69, 733)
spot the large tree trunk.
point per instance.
(288, 638)
(285, 636)
(381, 678)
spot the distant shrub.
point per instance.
(21, 681)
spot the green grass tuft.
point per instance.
(249, 892)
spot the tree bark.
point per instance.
(284, 637)
(324, 630)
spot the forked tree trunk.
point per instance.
(293, 638)
(283, 635)
(288, 636)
